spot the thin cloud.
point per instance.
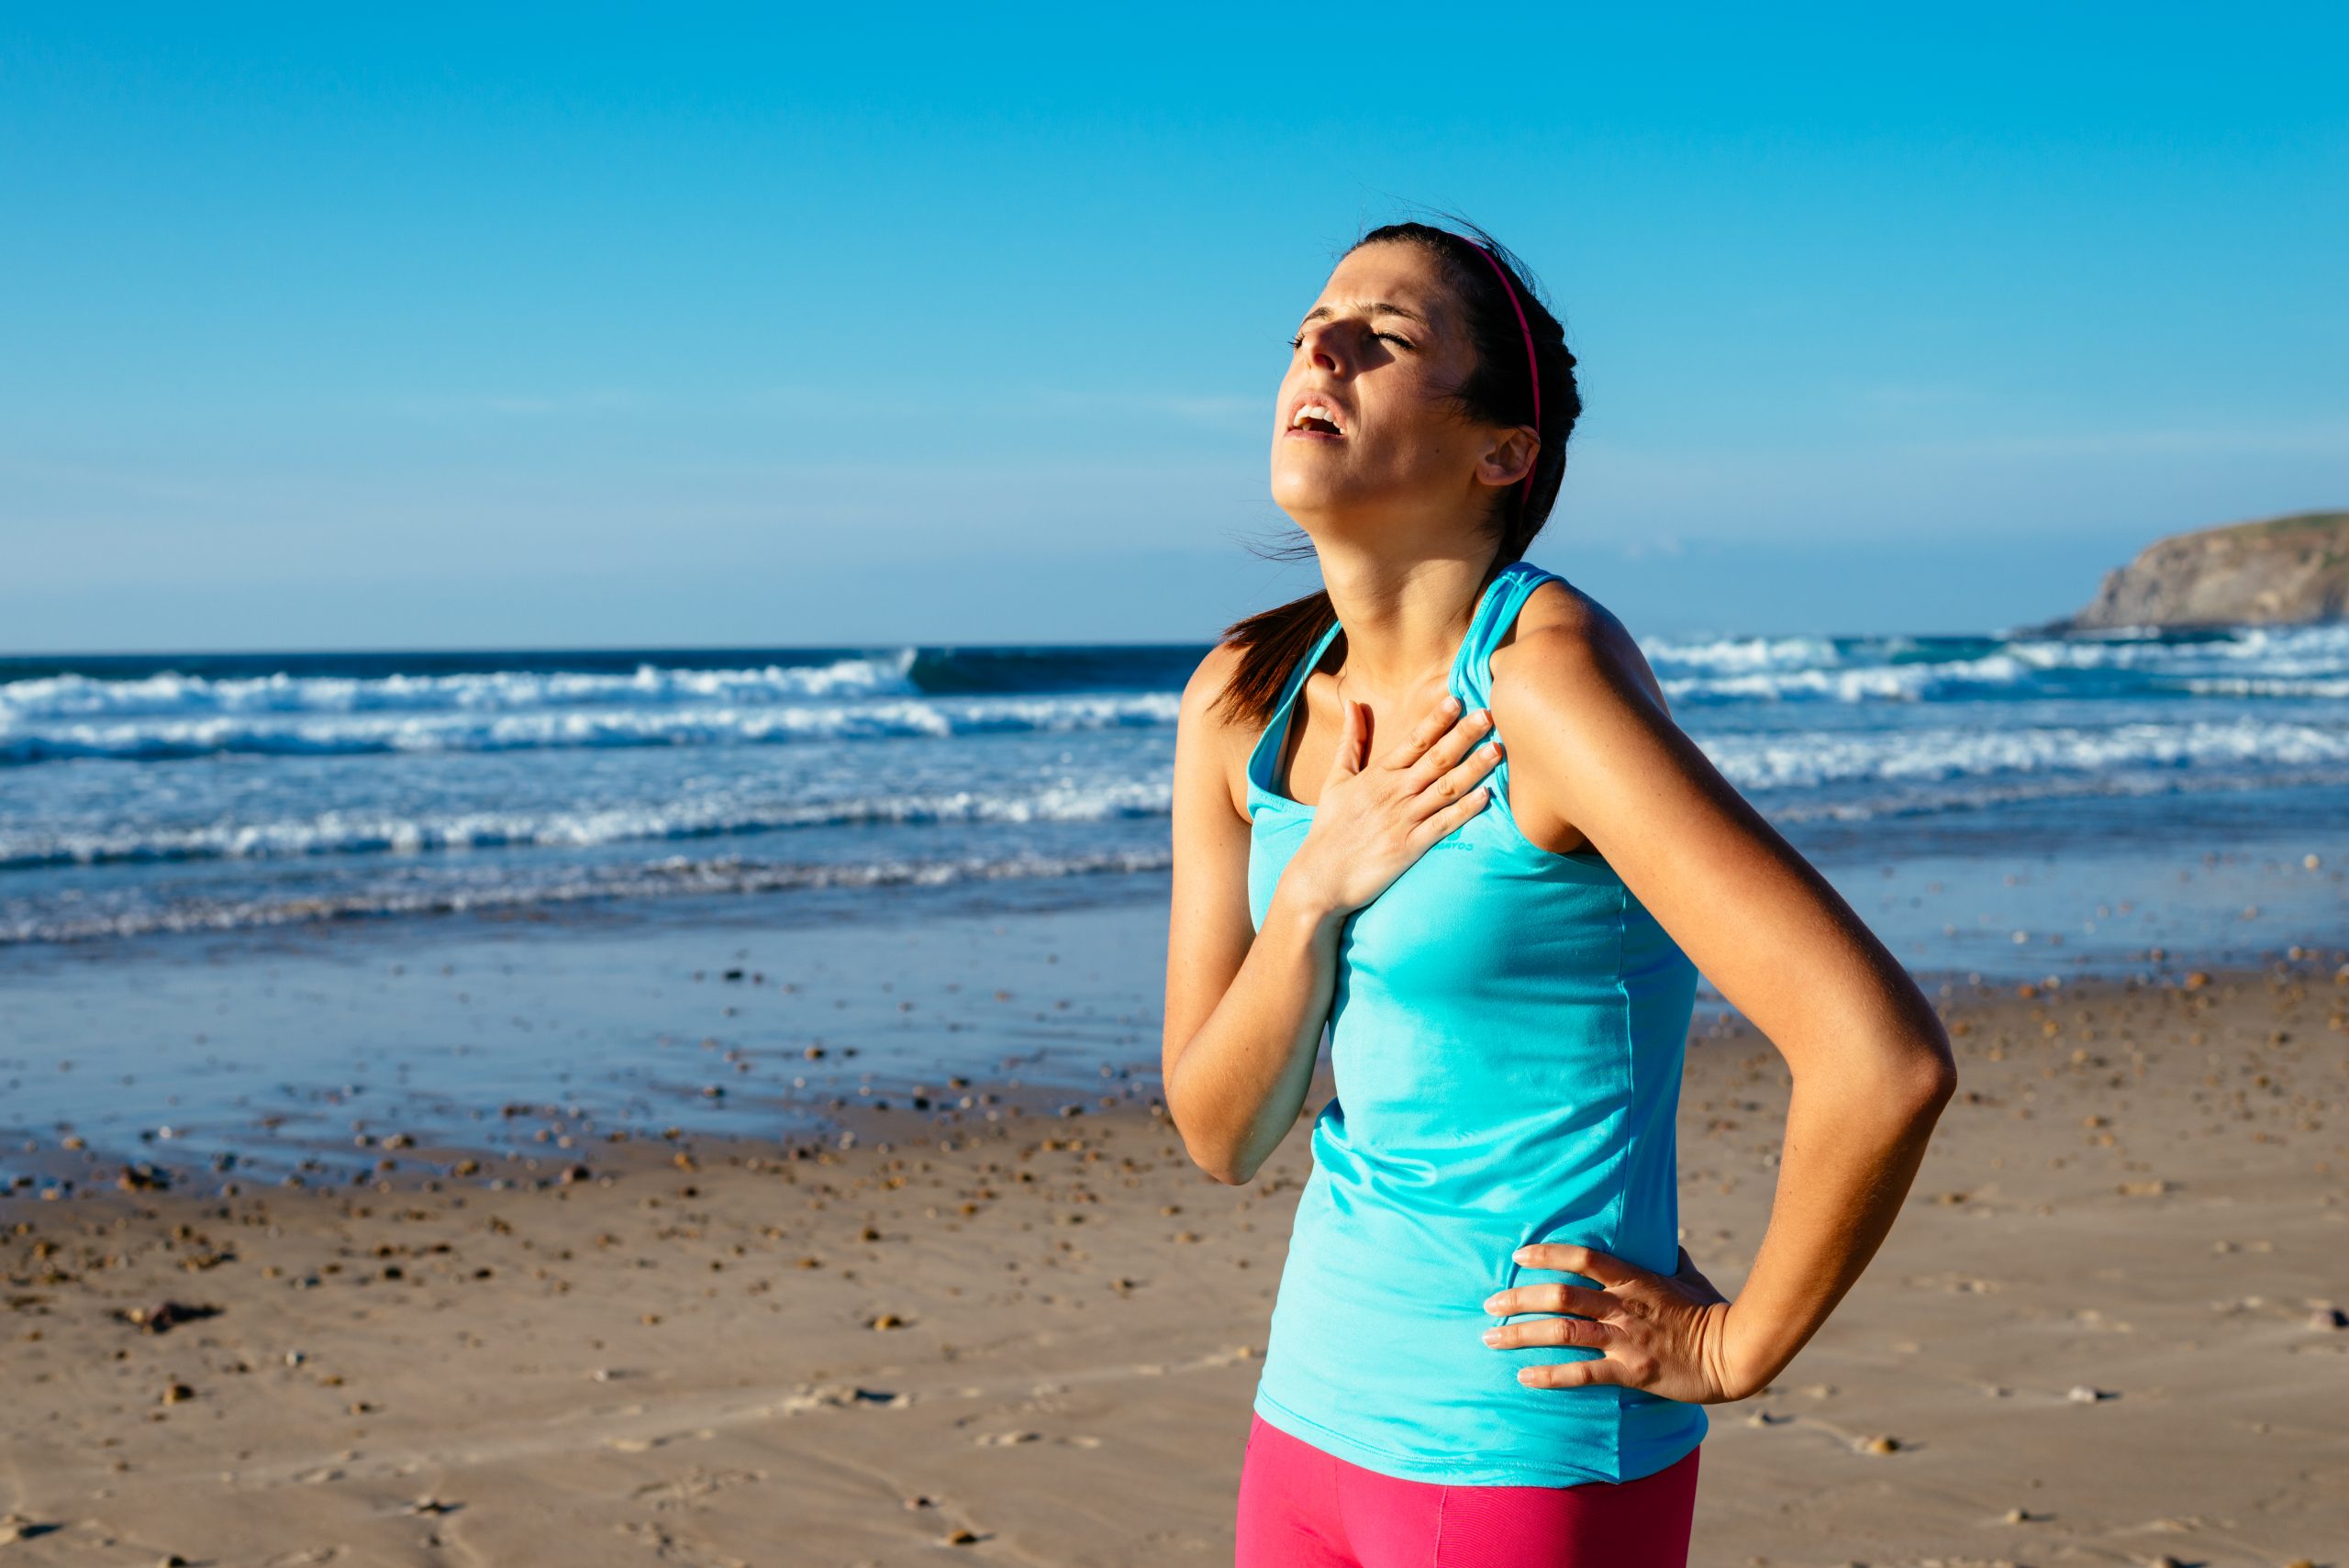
(1915, 394)
(518, 406)
(2321, 438)
(1225, 410)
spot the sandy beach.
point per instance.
(2109, 1330)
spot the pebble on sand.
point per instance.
(16, 1527)
(163, 1315)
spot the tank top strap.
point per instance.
(1276, 733)
(1503, 597)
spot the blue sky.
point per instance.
(704, 326)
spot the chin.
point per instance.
(1301, 493)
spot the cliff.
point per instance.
(2277, 571)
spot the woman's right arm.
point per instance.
(1245, 1007)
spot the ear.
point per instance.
(1508, 457)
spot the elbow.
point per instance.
(1220, 1163)
(1225, 1172)
(1240, 1173)
(1931, 1084)
(1937, 1088)
(1907, 1078)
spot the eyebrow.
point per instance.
(1375, 307)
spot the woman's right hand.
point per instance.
(1371, 821)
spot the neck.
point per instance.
(1405, 619)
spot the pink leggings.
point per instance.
(1300, 1507)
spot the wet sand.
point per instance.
(2109, 1330)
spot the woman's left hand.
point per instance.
(1667, 1334)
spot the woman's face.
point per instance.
(1363, 429)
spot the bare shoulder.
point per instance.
(1209, 738)
(1564, 678)
(1595, 757)
(1203, 709)
(1563, 641)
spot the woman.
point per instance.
(1442, 807)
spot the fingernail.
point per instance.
(1520, 1254)
(1450, 703)
(1492, 1336)
(1525, 1374)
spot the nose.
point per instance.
(1324, 348)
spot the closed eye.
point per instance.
(1298, 341)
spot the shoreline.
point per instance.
(919, 1111)
(471, 1046)
(541, 1146)
(1042, 1332)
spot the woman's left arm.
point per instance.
(1871, 1062)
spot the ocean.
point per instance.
(158, 794)
(252, 907)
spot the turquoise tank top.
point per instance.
(1506, 1035)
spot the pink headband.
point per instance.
(1533, 366)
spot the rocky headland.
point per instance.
(2286, 571)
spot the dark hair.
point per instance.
(1498, 391)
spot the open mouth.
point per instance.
(1315, 418)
